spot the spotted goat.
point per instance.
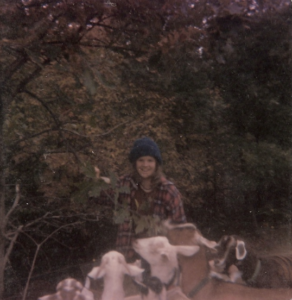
(236, 260)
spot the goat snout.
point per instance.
(217, 265)
(135, 244)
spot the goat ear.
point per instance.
(200, 240)
(167, 224)
(87, 283)
(240, 250)
(49, 297)
(134, 270)
(187, 250)
(78, 285)
(96, 272)
(61, 284)
(137, 263)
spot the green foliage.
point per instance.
(147, 225)
(121, 214)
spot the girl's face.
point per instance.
(146, 166)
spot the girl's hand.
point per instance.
(97, 172)
(97, 175)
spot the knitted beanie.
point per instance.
(145, 147)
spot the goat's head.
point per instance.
(112, 268)
(69, 284)
(190, 235)
(231, 250)
(114, 263)
(67, 289)
(161, 255)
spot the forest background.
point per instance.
(208, 80)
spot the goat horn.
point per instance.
(170, 226)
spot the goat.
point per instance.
(270, 271)
(162, 258)
(150, 287)
(69, 289)
(113, 267)
(195, 280)
(230, 274)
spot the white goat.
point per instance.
(151, 288)
(113, 267)
(69, 289)
(162, 257)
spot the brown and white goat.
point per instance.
(113, 267)
(269, 271)
(69, 289)
(164, 269)
(197, 284)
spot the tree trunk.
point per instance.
(2, 198)
(2, 241)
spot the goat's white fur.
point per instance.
(69, 289)
(234, 275)
(240, 250)
(162, 256)
(113, 267)
(198, 238)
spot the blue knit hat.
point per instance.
(145, 147)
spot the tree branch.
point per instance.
(14, 205)
(94, 136)
(11, 244)
(15, 66)
(114, 48)
(44, 104)
(39, 245)
(33, 135)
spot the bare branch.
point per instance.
(26, 80)
(37, 220)
(112, 129)
(33, 136)
(15, 66)
(11, 244)
(114, 48)
(95, 136)
(44, 104)
(39, 245)
(15, 203)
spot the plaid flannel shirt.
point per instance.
(167, 203)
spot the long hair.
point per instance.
(156, 179)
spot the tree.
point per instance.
(44, 40)
(256, 88)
